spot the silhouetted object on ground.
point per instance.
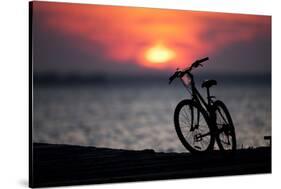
(199, 123)
(268, 138)
(55, 165)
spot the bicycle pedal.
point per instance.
(198, 147)
(198, 137)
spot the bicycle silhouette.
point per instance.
(199, 123)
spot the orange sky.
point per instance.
(123, 34)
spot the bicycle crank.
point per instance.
(198, 137)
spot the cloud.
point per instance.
(122, 35)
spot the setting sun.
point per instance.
(159, 54)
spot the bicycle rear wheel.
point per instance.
(192, 127)
(226, 137)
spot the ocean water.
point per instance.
(140, 116)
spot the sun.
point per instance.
(159, 54)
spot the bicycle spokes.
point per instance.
(225, 129)
(194, 127)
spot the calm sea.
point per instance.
(140, 116)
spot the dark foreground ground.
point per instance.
(56, 165)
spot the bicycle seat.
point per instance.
(209, 83)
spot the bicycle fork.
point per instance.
(195, 124)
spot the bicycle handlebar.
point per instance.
(198, 62)
(175, 75)
(193, 65)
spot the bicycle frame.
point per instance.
(206, 106)
(196, 96)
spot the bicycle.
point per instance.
(199, 123)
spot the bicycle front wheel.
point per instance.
(192, 127)
(226, 137)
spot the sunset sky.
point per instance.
(83, 39)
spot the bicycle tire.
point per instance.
(183, 135)
(226, 124)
